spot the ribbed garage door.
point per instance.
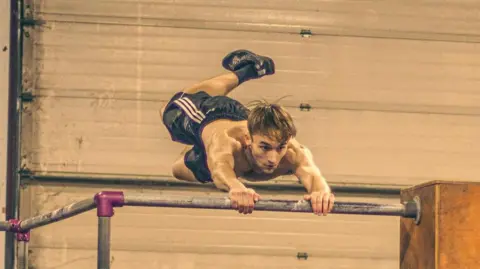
(393, 88)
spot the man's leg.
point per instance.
(243, 64)
(219, 85)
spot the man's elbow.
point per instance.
(220, 185)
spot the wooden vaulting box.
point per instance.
(448, 235)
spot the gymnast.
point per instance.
(226, 140)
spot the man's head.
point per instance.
(271, 127)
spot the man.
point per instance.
(229, 141)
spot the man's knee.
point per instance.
(162, 110)
(180, 170)
(176, 173)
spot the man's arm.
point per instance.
(319, 192)
(308, 172)
(221, 164)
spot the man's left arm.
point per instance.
(319, 192)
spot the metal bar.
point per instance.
(23, 255)
(169, 182)
(103, 258)
(272, 205)
(59, 214)
(13, 153)
(5, 226)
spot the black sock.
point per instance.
(246, 73)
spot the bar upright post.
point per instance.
(22, 255)
(104, 242)
(105, 202)
(23, 237)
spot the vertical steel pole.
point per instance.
(103, 243)
(22, 255)
(13, 156)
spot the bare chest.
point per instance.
(244, 170)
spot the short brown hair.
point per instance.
(271, 120)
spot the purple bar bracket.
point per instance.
(21, 235)
(107, 200)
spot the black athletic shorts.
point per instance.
(186, 115)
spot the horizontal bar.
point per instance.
(5, 226)
(273, 205)
(59, 214)
(170, 182)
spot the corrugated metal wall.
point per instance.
(393, 86)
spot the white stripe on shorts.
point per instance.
(189, 104)
(192, 112)
(199, 112)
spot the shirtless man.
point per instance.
(228, 141)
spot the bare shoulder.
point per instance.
(219, 146)
(221, 132)
(297, 154)
(219, 141)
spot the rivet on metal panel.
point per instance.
(302, 255)
(27, 97)
(306, 33)
(25, 172)
(305, 106)
(27, 20)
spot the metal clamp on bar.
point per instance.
(106, 201)
(408, 210)
(22, 235)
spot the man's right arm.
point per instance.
(221, 164)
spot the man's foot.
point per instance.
(238, 59)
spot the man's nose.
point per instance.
(272, 159)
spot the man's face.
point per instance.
(267, 153)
